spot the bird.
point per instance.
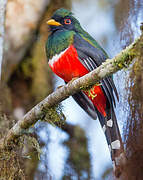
(72, 53)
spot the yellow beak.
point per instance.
(52, 22)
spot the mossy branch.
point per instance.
(110, 66)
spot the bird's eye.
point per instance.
(67, 21)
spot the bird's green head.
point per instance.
(64, 26)
(63, 19)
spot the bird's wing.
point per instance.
(92, 57)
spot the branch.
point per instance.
(2, 19)
(110, 66)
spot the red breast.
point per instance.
(68, 66)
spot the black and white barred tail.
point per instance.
(114, 141)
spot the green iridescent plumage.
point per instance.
(66, 37)
(63, 12)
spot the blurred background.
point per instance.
(76, 150)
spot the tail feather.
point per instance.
(105, 129)
(113, 137)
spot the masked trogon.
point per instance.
(72, 53)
